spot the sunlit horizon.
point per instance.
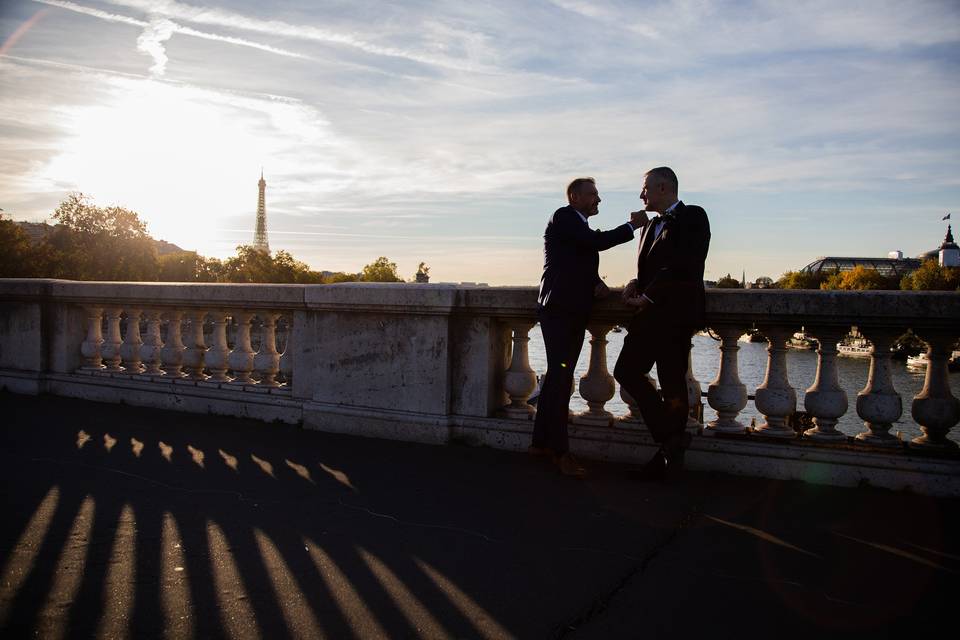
(445, 133)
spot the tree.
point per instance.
(932, 277)
(728, 282)
(99, 243)
(340, 276)
(860, 278)
(802, 280)
(189, 266)
(380, 270)
(289, 269)
(763, 282)
(18, 257)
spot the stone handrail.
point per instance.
(435, 362)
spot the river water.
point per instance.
(752, 364)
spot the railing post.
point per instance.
(935, 409)
(90, 348)
(267, 360)
(286, 358)
(130, 349)
(173, 348)
(241, 358)
(727, 395)
(775, 398)
(152, 348)
(879, 404)
(694, 396)
(218, 354)
(826, 400)
(597, 386)
(110, 349)
(519, 381)
(195, 352)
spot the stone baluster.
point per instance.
(826, 400)
(218, 354)
(172, 353)
(694, 396)
(110, 349)
(267, 360)
(935, 408)
(727, 395)
(90, 348)
(879, 404)
(152, 349)
(241, 358)
(130, 349)
(519, 381)
(286, 358)
(195, 352)
(775, 398)
(597, 386)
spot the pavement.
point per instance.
(129, 522)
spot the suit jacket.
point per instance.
(571, 258)
(670, 266)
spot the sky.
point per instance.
(445, 132)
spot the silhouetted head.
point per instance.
(583, 196)
(660, 189)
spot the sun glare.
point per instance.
(185, 159)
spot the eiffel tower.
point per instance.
(260, 235)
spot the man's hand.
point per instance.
(639, 303)
(638, 219)
(630, 291)
(601, 290)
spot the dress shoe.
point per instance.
(675, 450)
(570, 466)
(655, 470)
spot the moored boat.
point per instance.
(800, 340)
(855, 347)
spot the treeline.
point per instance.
(929, 277)
(111, 243)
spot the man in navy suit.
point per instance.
(568, 287)
(669, 303)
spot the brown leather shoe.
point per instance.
(570, 466)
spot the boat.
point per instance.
(800, 340)
(920, 361)
(855, 346)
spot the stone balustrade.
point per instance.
(436, 363)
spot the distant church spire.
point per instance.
(260, 235)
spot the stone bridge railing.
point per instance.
(439, 363)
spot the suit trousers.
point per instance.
(563, 334)
(646, 344)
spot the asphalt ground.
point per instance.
(128, 522)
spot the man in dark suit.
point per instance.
(568, 287)
(669, 303)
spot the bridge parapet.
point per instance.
(441, 363)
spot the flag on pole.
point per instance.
(946, 217)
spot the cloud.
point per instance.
(157, 31)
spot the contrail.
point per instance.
(157, 31)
